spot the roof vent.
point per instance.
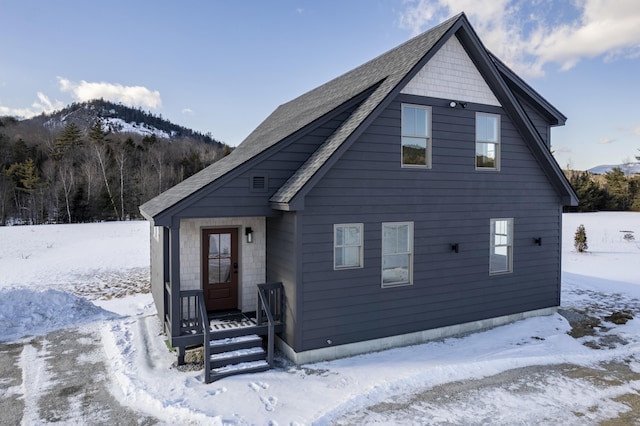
(259, 183)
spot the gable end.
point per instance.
(451, 74)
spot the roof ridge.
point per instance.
(393, 70)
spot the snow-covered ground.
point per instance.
(60, 276)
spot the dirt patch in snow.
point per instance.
(105, 285)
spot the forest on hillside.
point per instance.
(67, 174)
(612, 191)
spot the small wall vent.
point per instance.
(259, 183)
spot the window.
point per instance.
(501, 255)
(397, 253)
(416, 136)
(487, 141)
(347, 246)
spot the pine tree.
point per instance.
(69, 139)
(580, 239)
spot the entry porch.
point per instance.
(234, 342)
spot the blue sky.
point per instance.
(223, 66)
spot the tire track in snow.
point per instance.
(35, 379)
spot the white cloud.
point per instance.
(128, 95)
(521, 34)
(606, 140)
(42, 104)
(187, 111)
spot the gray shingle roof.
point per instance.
(390, 68)
(304, 110)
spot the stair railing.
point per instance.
(207, 338)
(271, 304)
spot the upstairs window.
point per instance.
(347, 246)
(487, 141)
(397, 253)
(501, 255)
(416, 136)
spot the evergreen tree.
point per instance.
(70, 138)
(591, 197)
(617, 186)
(580, 239)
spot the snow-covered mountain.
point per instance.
(117, 118)
(629, 169)
(113, 125)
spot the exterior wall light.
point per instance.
(454, 104)
(455, 248)
(249, 233)
(538, 241)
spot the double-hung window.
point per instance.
(416, 136)
(347, 246)
(397, 253)
(501, 255)
(487, 141)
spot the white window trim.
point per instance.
(410, 253)
(360, 246)
(497, 143)
(509, 245)
(428, 138)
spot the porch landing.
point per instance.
(231, 320)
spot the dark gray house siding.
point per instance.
(283, 260)
(449, 203)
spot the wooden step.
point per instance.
(238, 357)
(234, 343)
(242, 368)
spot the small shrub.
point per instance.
(580, 239)
(628, 236)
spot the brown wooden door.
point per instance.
(220, 268)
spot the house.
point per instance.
(411, 198)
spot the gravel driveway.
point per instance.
(60, 378)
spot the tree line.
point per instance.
(74, 175)
(611, 191)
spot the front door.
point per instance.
(220, 268)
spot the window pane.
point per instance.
(499, 262)
(340, 236)
(486, 155)
(486, 128)
(219, 258)
(414, 121)
(352, 235)
(395, 269)
(389, 239)
(347, 256)
(414, 151)
(403, 239)
(347, 235)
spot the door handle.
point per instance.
(235, 266)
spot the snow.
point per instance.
(52, 277)
(111, 124)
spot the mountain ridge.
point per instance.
(629, 169)
(115, 118)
